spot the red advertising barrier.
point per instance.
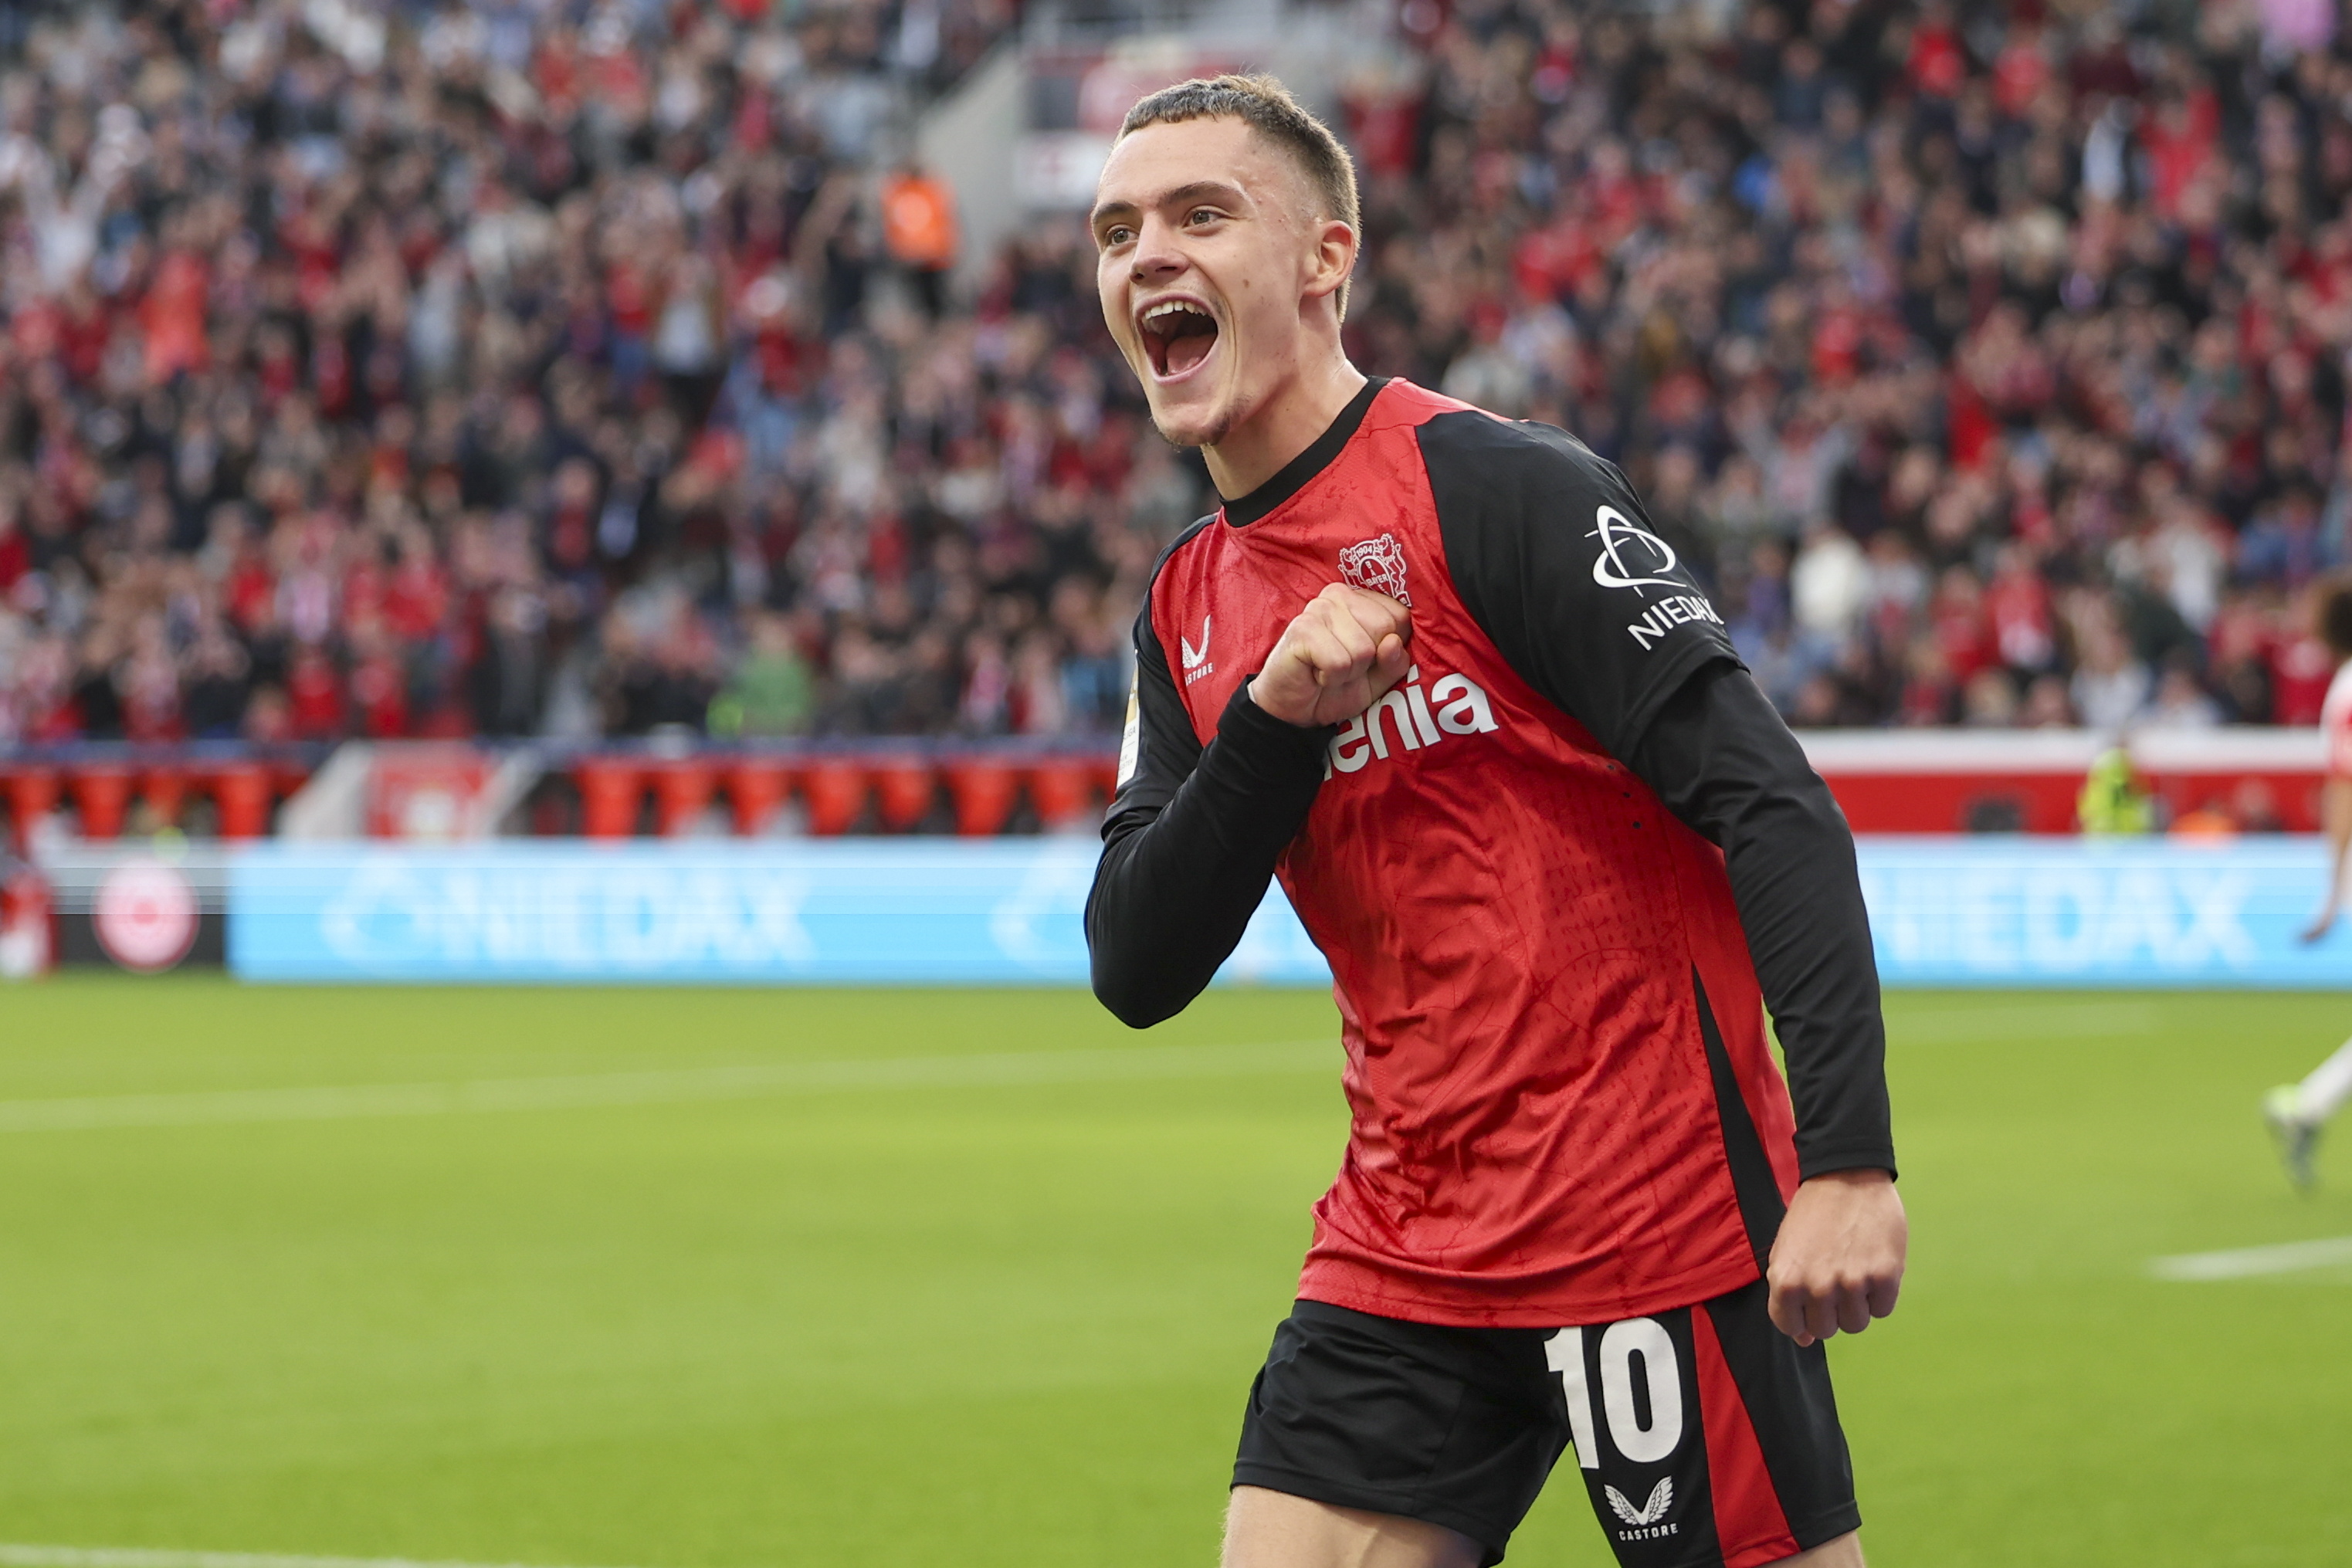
(984, 789)
(101, 794)
(32, 794)
(904, 789)
(1889, 781)
(756, 789)
(166, 787)
(2031, 781)
(835, 788)
(244, 792)
(610, 791)
(1061, 788)
(682, 792)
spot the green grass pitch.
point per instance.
(1007, 1315)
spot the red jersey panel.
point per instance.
(1530, 951)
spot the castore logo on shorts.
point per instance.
(1648, 1519)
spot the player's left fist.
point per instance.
(1338, 657)
(1838, 1261)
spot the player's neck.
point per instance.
(1287, 424)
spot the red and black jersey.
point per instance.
(1565, 1109)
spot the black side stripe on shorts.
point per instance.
(1760, 1208)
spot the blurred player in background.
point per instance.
(2296, 1112)
(1436, 670)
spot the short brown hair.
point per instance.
(1266, 107)
(2335, 616)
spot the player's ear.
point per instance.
(1334, 257)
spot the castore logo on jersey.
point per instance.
(1453, 705)
(1196, 660)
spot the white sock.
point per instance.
(2324, 1091)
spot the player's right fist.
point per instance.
(1336, 659)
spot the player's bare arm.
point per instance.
(1336, 658)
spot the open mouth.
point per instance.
(1178, 334)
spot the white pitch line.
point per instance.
(14, 1554)
(2250, 1262)
(465, 1097)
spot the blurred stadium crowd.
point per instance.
(540, 367)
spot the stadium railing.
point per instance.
(658, 787)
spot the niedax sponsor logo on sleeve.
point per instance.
(1630, 556)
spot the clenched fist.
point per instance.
(1838, 1261)
(1336, 658)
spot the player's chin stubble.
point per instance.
(1210, 437)
(1215, 434)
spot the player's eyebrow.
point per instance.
(1194, 191)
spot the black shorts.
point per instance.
(1708, 1438)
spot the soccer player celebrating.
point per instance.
(2296, 1112)
(1434, 670)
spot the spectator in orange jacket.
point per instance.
(919, 231)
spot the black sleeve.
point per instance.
(1552, 553)
(1721, 759)
(1191, 839)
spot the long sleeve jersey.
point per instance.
(1557, 871)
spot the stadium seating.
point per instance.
(1990, 375)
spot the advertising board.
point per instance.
(846, 911)
(2100, 912)
(1946, 912)
(142, 908)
